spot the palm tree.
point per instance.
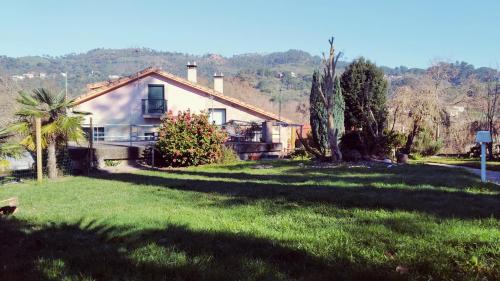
(58, 127)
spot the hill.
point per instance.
(254, 78)
(251, 77)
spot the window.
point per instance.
(99, 134)
(217, 116)
(149, 136)
(156, 99)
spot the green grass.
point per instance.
(467, 162)
(235, 222)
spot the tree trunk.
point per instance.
(332, 138)
(491, 154)
(410, 139)
(51, 159)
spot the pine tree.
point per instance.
(364, 89)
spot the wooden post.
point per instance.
(38, 136)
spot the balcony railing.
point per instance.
(154, 107)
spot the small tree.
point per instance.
(189, 140)
(58, 127)
(365, 89)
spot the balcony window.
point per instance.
(155, 104)
(156, 99)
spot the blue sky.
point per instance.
(389, 32)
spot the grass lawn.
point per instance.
(236, 222)
(467, 162)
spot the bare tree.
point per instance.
(415, 109)
(492, 92)
(327, 91)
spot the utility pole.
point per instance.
(65, 75)
(280, 95)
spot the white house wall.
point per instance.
(124, 105)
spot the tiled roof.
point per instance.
(101, 88)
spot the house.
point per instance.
(130, 108)
(455, 110)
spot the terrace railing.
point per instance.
(244, 132)
(154, 106)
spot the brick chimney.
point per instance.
(191, 69)
(219, 82)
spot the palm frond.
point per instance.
(29, 142)
(70, 127)
(50, 129)
(10, 150)
(60, 98)
(31, 112)
(26, 99)
(44, 96)
(19, 128)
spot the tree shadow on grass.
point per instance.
(101, 252)
(417, 175)
(437, 178)
(364, 195)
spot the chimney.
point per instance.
(219, 82)
(192, 76)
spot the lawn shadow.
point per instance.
(98, 251)
(247, 189)
(328, 177)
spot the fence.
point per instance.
(121, 133)
(15, 170)
(238, 131)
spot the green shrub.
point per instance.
(299, 154)
(352, 141)
(475, 151)
(415, 156)
(228, 156)
(392, 140)
(426, 145)
(111, 163)
(189, 140)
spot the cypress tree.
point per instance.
(338, 110)
(318, 116)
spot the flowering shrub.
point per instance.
(189, 140)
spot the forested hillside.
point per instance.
(255, 78)
(251, 77)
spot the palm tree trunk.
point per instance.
(51, 159)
